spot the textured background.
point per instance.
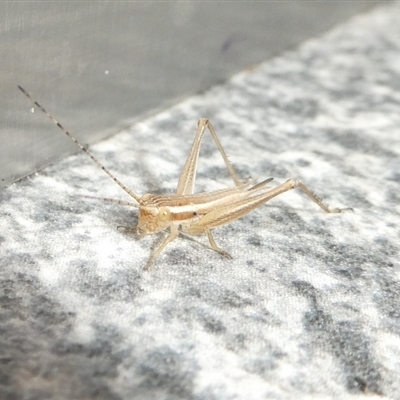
(104, 64)
(310, 303)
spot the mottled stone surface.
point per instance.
(309, 306)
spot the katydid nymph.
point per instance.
(190, 213)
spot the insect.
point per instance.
(190, 213)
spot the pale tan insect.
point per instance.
(195, 214)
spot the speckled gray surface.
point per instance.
(309, 306)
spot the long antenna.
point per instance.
(94, 159)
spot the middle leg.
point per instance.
(215, 247)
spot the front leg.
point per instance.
(156, 252)
(127, 229)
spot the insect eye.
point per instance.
(164, 214)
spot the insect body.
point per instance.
(195, 214)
